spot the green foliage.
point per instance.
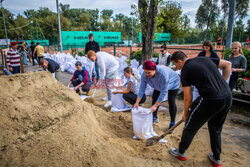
(205, 19)
(81, 53)
(240, 10)
(171, 20)
(246, 53)
(138, 55)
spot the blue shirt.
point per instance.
(165, 79)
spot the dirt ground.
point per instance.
(43, 123)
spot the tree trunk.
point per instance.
(222, 33)
(147, 17)
(229, 37)
(205, 36)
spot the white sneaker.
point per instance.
(109, 103)
(105, 98)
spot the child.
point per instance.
(81, 79)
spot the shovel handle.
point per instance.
(169, 130)
(93, 95)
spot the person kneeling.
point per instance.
(130, 93)
(81, 79)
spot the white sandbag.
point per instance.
(118, 101)
(83, 97)
(142, 123)
(126, 108)
(134, 63)
(149, 90)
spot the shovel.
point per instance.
(153, 140)
(93, 95)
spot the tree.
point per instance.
(207, 14)
(239, 31)
(106, 14)
(241, 8)
(248, 27)
(65, 10)
(22, 33)
(94, 15)
(232, 4)
(171, 20)
(9, 20)
(147, 12)
(30, 13)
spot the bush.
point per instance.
(81, 53)
(247, 55)
(138, 55)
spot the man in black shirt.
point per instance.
(93, 45)
(51, 66)
(32, 49)
(212, 106)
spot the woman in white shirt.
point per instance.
(108, 66)
(164, 56)
(130, 93)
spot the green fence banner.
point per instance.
(42, 42)
(78, 39)
(159, 37)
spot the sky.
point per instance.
(189, 7)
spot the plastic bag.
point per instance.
(117, 101)
(142, 123)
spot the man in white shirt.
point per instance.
(108, 66)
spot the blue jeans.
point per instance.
(24, 57)
(97, 71)
(16, 70)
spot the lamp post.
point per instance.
(5, 30)
(59, 26)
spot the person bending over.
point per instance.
(52, 66)
(130, 93)
(164, 81)
(211, 106)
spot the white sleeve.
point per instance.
(54, 75)
(102, 68)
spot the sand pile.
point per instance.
(43, 123)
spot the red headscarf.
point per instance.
(149, 65)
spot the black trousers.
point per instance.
(85, 87)
(131, 98)
(34, 58)
(39, 59)
(171, 101)
(233, 80)
(201, 111)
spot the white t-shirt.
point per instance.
(135, 84)
(163, 58)
(106, 63)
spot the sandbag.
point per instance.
(142, 123)
(117, 102)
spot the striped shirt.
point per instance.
(13, 58)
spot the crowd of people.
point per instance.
(211, 103)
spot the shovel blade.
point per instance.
(151, 141)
